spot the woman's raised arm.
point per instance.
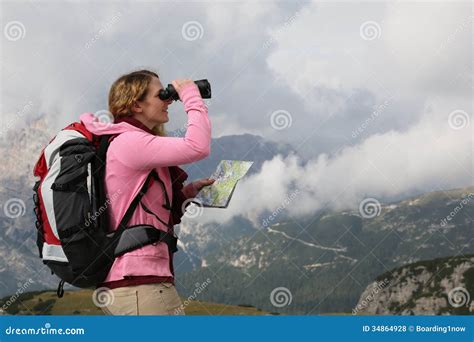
(140, 150)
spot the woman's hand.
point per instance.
(191, 190)
(180, 84)
(201, 183)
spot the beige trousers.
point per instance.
(148, 299)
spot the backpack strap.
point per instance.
(167, 204)
(99, 168)
(166, 237)
(140, 235)
(126, 239)
(129, 238)
(60, 290)
(131, 209)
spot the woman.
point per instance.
(141, 282)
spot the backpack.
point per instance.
(71, 210)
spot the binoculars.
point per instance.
(170, 93)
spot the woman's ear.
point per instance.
(136, 108)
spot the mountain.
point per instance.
(322, 262)
(20, 150)
(326, 261)
(238, 147)
(441, 286)
(197, 240)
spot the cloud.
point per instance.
(67, 69)
(430, 156)
(415, 42)
(308, 59)
(366, 88)
(420, 50)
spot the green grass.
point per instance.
(80, 303)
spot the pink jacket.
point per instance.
(130, 158)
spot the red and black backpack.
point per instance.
(71, 210)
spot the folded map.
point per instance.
(227, 175)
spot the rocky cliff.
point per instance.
(443, 286)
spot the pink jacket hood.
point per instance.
(94, 125)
